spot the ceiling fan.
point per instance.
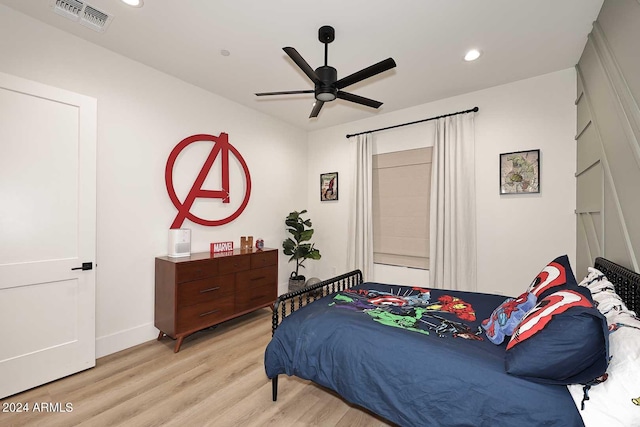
(325, 78)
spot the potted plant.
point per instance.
(296, 248)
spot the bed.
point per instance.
(419, 356)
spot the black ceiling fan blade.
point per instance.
(300, 62)
(365, 73)
(286, 92)
(359, 99)
(316, 109)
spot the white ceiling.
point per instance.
(426, 38)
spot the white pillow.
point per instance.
(604, 294)
(615, 402)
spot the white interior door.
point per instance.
(47, 228)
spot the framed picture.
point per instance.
(328, 186)
(520, 172)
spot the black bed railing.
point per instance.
(292, 301)
(626, 282)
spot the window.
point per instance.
(401, 200)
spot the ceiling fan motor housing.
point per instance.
(327, 87)
(326, 91)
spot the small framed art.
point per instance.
(328, 186)
(520, 172)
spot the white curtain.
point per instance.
(453, 206)
(360, 246)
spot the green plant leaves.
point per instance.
(305, 236)
(288, 246)
(301, 231)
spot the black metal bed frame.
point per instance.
(304, 296)
(626, 282)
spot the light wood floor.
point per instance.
(217, 379)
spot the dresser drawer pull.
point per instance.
(210, 289)
(209, 312)
(258, 278)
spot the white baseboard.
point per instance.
(122, 340)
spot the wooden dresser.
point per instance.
(202, 290)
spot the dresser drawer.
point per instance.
(233, 264)
(256, 297)
(205, 289)
(204, 314)
(247, 280)
(256, 288)
(187, 271)
(263, 259)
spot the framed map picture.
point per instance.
(520, 172)
(328, 186)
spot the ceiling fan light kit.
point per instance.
(327, 87)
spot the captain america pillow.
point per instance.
(555, 276)
(507, 316)
(562, 340)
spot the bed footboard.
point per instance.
(292, 301)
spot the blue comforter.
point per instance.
(414, 356)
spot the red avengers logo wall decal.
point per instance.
(221, 148)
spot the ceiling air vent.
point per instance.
(95, 19)
(68, 8)
(83, 13)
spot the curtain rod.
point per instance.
(474, 109)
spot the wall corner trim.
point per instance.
(628, 110)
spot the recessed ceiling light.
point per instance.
(134, 3)
(472, 55)
(224, 52)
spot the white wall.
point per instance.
(142, 115)
(517, 234)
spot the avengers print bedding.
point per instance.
(415, 356)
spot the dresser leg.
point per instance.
(161, 335)
(178, 344)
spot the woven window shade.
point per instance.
(401, 201)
